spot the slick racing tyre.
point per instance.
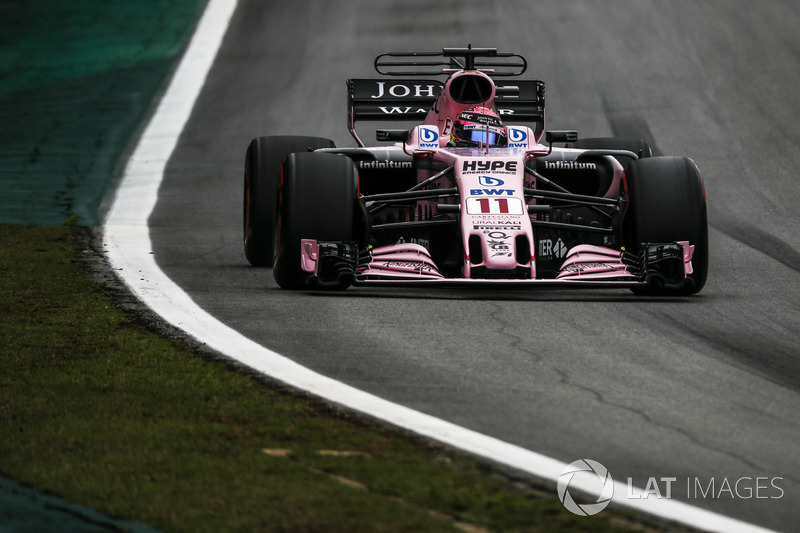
(317, 200)
(262, 170)
(637, 146)
(667, 204)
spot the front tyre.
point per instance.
(317, 200)
(262, 169)
(667, 204)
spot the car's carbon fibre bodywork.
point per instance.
(529, 213)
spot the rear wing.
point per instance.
(487, 60)
(376, 99)
(411, 99)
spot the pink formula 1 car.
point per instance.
(475, 193)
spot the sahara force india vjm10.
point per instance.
(467, 198)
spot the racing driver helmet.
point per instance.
(478, 125)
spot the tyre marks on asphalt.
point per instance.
(628, 123)
(766, 243)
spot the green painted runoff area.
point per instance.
(23, 510)
(76, 80)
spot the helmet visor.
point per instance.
(482, 136)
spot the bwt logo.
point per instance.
(488, 181)
(517, 138)
(428, 137)
(590, 477)
(491, 192)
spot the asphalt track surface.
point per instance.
(703, 389)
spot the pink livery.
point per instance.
(477, 193)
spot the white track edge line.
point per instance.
(127, 245)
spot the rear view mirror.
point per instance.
(392, 135)
(561, 136)
(511, 91)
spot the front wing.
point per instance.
(344, 263)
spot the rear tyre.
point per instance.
(262, 170)
(638, 146)
(317, 200)
(668, 203)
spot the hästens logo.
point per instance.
(517, 138)
(590, 477)
(428, 137)
(488, 181)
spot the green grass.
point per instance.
(97, 409)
